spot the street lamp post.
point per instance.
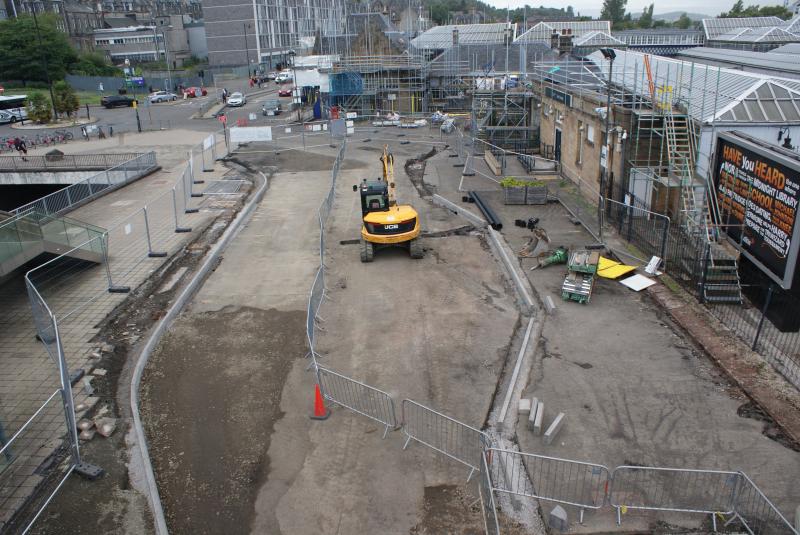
(46, 67)
(293, 55)
(166, 52)
(246, 47)
(610, 55)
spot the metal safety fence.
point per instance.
(441, 433)
(486, 495)
(72, 294)
(89, 188)
(576, 483)
(360, 398)
(709, 492)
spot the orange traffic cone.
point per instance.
(320, 412)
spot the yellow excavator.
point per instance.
(384, 222)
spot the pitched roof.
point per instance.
(718, 26)
(441, 37)
(598, 39)
(542, 31)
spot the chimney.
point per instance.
(554, 41)
(455, 36)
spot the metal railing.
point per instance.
(486, 495)
(756, 512)
(65, 162)
(358, 397)
(709, 492)
(76, 194)
(576, 483)
(446, 435)
(60, 292)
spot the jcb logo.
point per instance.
(391, 227)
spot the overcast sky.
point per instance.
(592, 7)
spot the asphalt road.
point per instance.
(167, 115)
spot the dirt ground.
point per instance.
(209, 421)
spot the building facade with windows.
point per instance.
(266, 32)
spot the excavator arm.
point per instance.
(388, 174)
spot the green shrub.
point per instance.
(39, 107)
(513, 182)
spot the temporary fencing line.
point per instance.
(158, 331)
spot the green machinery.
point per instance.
(582, 267)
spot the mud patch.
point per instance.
(770, 430)
(415, 170)
(291, 160)
(456, 510)
(210, 398)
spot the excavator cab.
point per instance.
(385, 223)
(374, 196)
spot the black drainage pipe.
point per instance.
(486, 210)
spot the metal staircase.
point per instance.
(721, 283)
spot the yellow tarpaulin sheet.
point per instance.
(609, 269)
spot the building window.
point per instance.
(590, 134)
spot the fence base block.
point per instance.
(157, 255)
(89, 471)
(180, 230)
(197, 194)
(119, 289)
(323, 416)
(191, 210)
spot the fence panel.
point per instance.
(757, 513)
(552, 479)
(672, 489)
(450, 437)
(486, 494)
(358, 397)
(647, 230)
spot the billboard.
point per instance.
(758, 190)
(244, 134)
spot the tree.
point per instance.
(736, 10)
(66, 101)
(683, 22)
(646, 20)
(39, 107)
(614, 11)
(21, 56)
(94, 64)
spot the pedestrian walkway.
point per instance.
(77, 293)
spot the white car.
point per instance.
(283, 77)
(162, 96)
(237, 99)
(13, 115)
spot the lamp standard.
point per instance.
(246, 47)
(605, 151)
(295, 92)
(46, 67)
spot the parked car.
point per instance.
(285, 93)
(237, 99)
(192, 92)
(162, 96)
(271, 107)
(272, 75)
(283, 77)
(13, 115)
(117, 101)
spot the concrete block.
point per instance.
(554, 428)
(549, 305)
(524, 405)
(87, 386)
(558, 519)
(538, 419)
(532, 416)
(87, 434)
(105, 426)
(84, 424)
(99, 372)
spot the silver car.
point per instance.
(237, 99)
(162, 96)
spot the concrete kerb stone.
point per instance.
(479, 222)
(538, 419)
(554, 428)
(136, 437)
(520, 282)
(532, 415)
